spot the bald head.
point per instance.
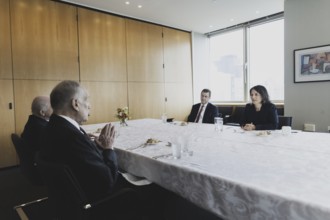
(41, 107)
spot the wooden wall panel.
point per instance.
(105, 98)
(5, 41)
(179, 100)
(178, 73)
(146, 100)
(102, 46)
(144, 52)
(177, 56)
(7, 150)
(44, 36)
(25, 91)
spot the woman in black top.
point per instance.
(261, 114)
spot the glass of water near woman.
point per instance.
(218, 122)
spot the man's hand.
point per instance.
(107, 137)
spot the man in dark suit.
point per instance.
(94, 163)
(203, 112)
(37, 122)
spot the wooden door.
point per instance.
(44, 40)
(146, 100)
(102, 46)
(7, 150)
(178, 73)
(105, 98)
(144, 52)
(5, 42)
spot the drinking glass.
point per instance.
(218, 122)
(164, 118)
(286, 130)
(176, 151)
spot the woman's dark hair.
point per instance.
(262, 91)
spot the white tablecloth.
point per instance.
(234, 174)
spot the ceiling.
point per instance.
(201, 16)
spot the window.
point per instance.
(247, 56)
(226, 68)
(266, 58)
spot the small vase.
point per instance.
(123, 122)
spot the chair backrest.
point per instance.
(284, 121)
(66, 196)
(27, 162)
(236, 117)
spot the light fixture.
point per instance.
(139, 6)
(127, 3)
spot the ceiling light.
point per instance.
(210, 26)
(257, 12)
(139, 6)
(127, 3)
(232, 19)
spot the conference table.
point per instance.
(234, 174)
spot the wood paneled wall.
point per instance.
(121, 62)
(44, 40)
(5, 41)
(102, 47)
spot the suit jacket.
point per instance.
(32, 132)
(211, 111)
(265, 119)
(95, 169)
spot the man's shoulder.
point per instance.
(196, 105)
(59, 123)
(210, 105)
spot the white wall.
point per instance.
(307, 24)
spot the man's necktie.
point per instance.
(83, 131)
(199, 114)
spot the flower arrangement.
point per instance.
(122, 115)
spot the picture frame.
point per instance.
(312, 64)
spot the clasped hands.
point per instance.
(249, 127)
(107, 137)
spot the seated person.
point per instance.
(94, 163)
(37, 122)
(203, 112)
(261, 114)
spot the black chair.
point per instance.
(236, 117)
(28, 169)
(68, 200)
(284, 121)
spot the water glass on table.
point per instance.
(286, 130)
(176, 151)
(218, 122)
(164, 118)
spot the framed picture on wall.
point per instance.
(312, 64)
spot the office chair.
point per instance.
(284, 121)
(28, 169)
(68, 200)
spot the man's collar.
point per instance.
(71, 121)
